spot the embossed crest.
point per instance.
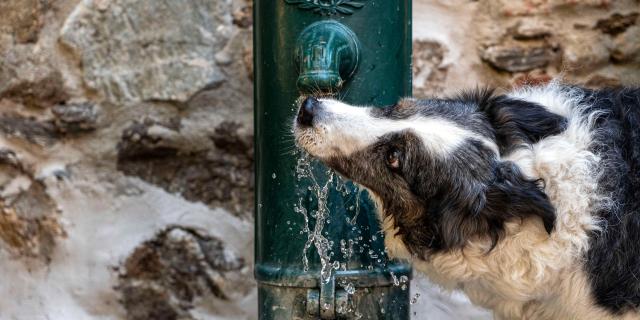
(329, 7)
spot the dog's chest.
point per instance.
(525, 277)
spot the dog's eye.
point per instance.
(393, 158)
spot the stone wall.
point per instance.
(506, 43)
(126, 145)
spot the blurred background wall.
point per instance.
(126, 145)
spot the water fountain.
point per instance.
(319, 250)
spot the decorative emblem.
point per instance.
(329, 7)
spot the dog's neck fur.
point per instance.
(531, 274)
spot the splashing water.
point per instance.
(396, 281)
(321, 215)
(350, 288)
(357, 208)
(318, 184)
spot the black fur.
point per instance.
(471, 193)
(519, 122)
(462, 111)
(512, 122)
(613, 260)
(441, 204)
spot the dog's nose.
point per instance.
(307, 110)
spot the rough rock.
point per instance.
(29, 237)
(601, 81)
(582, 56)
(35, 131)
(76, 117)
(248, 61)
(617, 23)
(129, 54)
(164, 277)
(28, 78)
(527, 29)
(518, 57)
(22, 18)
(243, 16)
(534, 78)
(29, 226)
(149, 138)
(9, 157)
(626, 46)
(429, 73)
(510, 8)
(221, 176)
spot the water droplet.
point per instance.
(396, 282)
(350, 288)
(273, 175)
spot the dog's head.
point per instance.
(433, 166)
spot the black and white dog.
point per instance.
(529, 202)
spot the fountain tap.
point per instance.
(327, 53)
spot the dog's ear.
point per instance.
(517, 121)
(482, 210)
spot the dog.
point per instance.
(529, 201)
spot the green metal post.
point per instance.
(359, 50)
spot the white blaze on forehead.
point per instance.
(345, 129)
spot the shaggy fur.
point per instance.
(528, 202)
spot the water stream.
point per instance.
(320, 182)
(320, 214)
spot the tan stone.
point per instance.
(532, 28)
(27, 77)
(149, 49)
(517, 57)
(626, 46)
(22, 18)
(429, 73)
(584, 53)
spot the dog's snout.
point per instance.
(307, 111)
